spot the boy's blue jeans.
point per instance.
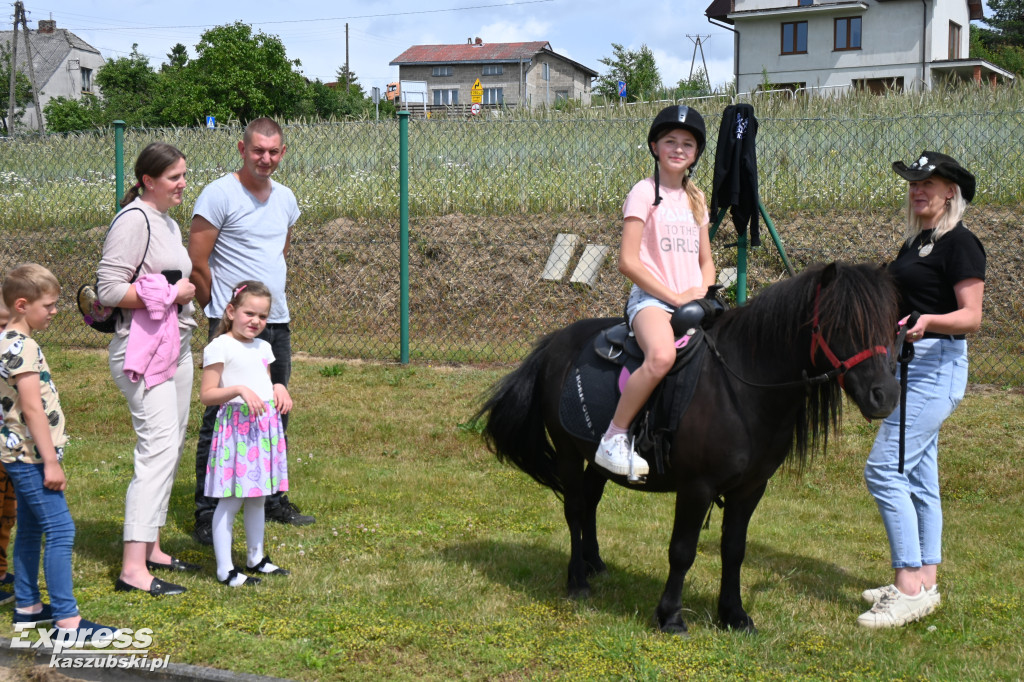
(42, 511)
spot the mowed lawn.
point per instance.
(431, 561)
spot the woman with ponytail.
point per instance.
(144, 271)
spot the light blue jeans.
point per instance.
(42, 511)
(640, 299)
(909, 503)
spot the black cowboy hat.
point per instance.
(935, 163)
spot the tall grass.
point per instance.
(814, 153)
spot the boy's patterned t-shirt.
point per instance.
(20, 354)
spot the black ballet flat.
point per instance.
(250, 581)
(175, 565)
(157, 588)
(258, 568)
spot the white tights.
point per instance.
(224, 519)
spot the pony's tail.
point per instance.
(515, 430)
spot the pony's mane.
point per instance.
(858, 306)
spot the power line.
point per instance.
(300, 21)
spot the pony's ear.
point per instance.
(828, 275)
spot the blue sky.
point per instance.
(313, 31)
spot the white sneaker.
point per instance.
(874, 595)
(895, 609)
(614, 454)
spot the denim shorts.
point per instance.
(640, 299)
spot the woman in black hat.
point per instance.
(940, 272)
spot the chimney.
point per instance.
(46, 26)
(479, 42)
(469, 41)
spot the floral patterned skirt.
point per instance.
(247, 456)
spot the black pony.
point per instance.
(773, 389)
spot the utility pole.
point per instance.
(19, 15)
(14, 73)
(698, 44)
(346, 58)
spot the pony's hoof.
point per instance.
(579, 593)
(677, 629)
(596, 568)
(744, 625)
(674, 626)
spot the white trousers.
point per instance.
(160, 418)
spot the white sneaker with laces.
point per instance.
(895, 609)
(872, 596)
(614, 453)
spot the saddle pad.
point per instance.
(589, 395)
(592, 388)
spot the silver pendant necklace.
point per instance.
(926, 247)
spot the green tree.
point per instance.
(22, 89)
(128, 85)
(636, 67)
(237, 74)
(352, 79)
(984, 45)
(695, 86)
(65, 115)
(1007, 21)
(176, 58)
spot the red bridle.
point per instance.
(818, 341)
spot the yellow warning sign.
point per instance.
(476, 95)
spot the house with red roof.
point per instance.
(505, 74)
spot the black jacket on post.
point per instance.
(735, 181)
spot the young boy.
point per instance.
(31, 446)
(8, 508)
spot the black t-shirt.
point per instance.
(926, 281)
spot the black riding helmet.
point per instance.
(676, 116)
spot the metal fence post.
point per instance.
(403, 219)
(118, 162)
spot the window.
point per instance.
(954, 40)
(847, 33)
(561, 95)
(494, 95)
(446, 96)
(879, 86)
(441, 71)
(804, 3)
(794, 37)
(492, 70)
(86, 80)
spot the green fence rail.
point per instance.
(487, 200)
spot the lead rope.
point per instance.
(906, 355)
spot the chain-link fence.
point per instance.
(487, 201)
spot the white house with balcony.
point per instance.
(826, 47)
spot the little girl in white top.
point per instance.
(247, 456)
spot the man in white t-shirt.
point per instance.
(241, 229)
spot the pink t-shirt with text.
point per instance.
(670, 245)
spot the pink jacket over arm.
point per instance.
(153, 340)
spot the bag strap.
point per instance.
(149, 234)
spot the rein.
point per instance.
(839, 368)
